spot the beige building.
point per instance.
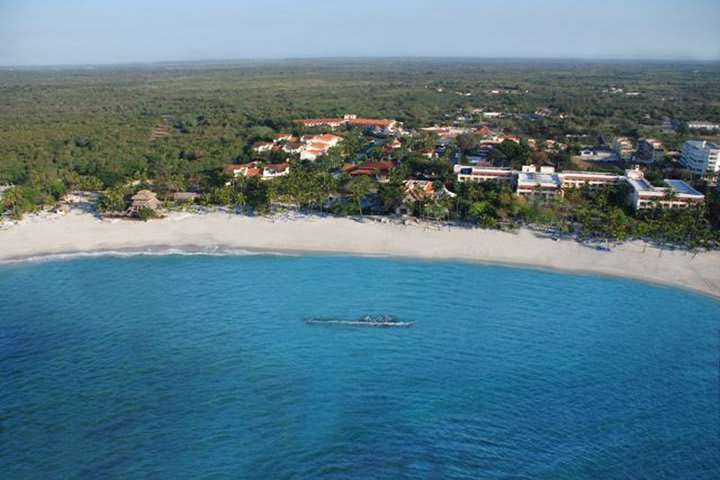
(675, 195)
(624, 148)
(485, 174)
(649, 150)
(591, 180)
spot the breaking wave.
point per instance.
(163, 252)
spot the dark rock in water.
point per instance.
(365, 321)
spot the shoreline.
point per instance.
(83, 235)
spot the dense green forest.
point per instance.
(99, 121)
(176, 125)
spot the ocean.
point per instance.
(183, 366)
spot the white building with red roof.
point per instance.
(251, 169)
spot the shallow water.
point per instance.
(192, 366)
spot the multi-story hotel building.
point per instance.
(701, 157)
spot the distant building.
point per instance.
(384, 125)
(315, 146)
(649, 150)
(675, 195)
(698, 125)
(701, 157)
(624, 148)
(598, 155)
(446, 131)
(284, 137)
(394, 144)
(261, 147)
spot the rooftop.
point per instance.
(702, 144)
(546, 180)
(681, 187)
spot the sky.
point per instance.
(72, 32)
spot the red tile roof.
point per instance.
(327, 138)
(371, 121)
(381, 165)
(278, 167)
(363, 171)
(357, 121)
(319, 120)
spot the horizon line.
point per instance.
(569, 59)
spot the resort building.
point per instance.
(593, 181)
(261, 147)
(701, 157)
(377, 170)
(543, 185)
(698, 125)
(309, 147)
(624, 148)
(598, 155)
(258, 168)
(485, 174)
(649, 150)
(418, 191)
(446, 131)
(315, 146)
(142, 200)
(385, 125)
(676, 194)
(393, 145)
(283, 137)
(546, 184)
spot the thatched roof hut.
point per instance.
(143, 199)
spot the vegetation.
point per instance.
(173, 127)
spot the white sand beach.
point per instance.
(81, 232)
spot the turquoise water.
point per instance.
(202, 367)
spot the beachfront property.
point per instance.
(675, 195)
(257, 168)
(144, 199)
(649, 151)
(544, 184)
(593, 181)
(419, 191)
(700, 156)
(485, 174)
(385, 126)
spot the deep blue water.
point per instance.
(187, 367)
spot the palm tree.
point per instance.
(358, 188)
